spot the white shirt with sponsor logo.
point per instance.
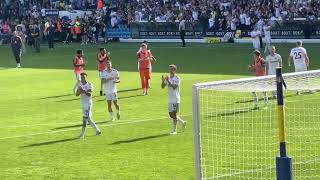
(86, 100)
(298, 54)
(174, 94)
(255, 37)
(273, 62)
(110, 86)
(267, 33)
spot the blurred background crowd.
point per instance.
(100, 15)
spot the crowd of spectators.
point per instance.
(211, 14)
(222, 14)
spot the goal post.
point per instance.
(236, 127)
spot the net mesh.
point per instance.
(239, 129)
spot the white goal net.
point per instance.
(236, 130)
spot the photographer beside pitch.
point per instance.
(173, 83)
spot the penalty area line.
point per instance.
(77, 128)
(315, 160)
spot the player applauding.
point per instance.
(110, 78)
(173, 83)
(84, 90)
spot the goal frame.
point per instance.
(196, 108)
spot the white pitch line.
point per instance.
(68, 123)
(76, 128)
(261, 169)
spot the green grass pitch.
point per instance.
(41, 118)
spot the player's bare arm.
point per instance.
(79, 91)
(88, 93)
(307, 59)
(290, 60)
(174, 86)
(163, 83)
(116, 80)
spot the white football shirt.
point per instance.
(174, 94)
(255, 38)
(267, 34)
(110, 86)
(86, 100)
(298, 54)
(273, 62)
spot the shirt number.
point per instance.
(297, 55)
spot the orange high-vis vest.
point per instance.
(77, 27)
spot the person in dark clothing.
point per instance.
(182, 29)
(16, 45)
(35, 37)
(51, 30)
(84, 33)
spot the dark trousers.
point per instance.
(36, 44)
(17, 55)
(50, 42)
(182, 34)
(260, 39)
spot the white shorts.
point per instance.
(87, 110)
(78, 77)
(272, 72)
(256, 45)
(267, 40)
(102, 74)
(111, 97)
(173, 107)
(300, 69)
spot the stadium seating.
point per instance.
(121, 32)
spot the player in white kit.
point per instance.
(273, 61)
(173, 83)
(85, 90)
(255, 35)
(110, 78)
(267, 36)
(299, 57)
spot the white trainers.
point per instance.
(173, 133)
(112, 119)
(18, 65)
(98, 133)
(184, 125)
(298, 93)
(311, 91)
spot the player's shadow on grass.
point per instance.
(52, 97)
(79, 125)
(139, 139)
(49, 142)
(125, 97)
(231, 113)
(67, 100)
(129, 90)
(260, 99)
